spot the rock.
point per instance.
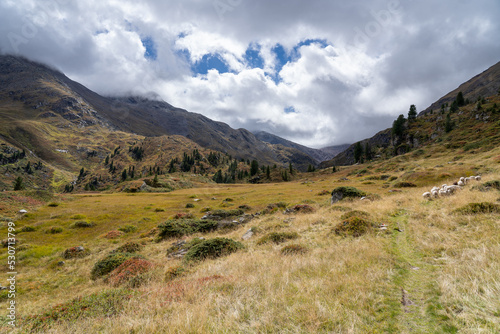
(80, 249)
(3, 288)
(61, 263)
(248, 234)
(23, 211)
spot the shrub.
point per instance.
(78, 216)
(128, 270)
(127, 228)
(113, 234)
(109, 263)
(340, 193)
(105, 303)
(302, 208)
(487, 186)
(82, 224)
(183, 215)
(54, 230)
(212, 248)
(222, 214)
(75, 252)
(478, 208)
(179, 228)
(189, 206)
(355, 213)
(323, 193)
(129, 247)
(244, 207)
(277, 237)
(53, 204)
(174, 272)
(159, 210)
(28, 229)
(353, 226)
(405, 185)
(294, 249)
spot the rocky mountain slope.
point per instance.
(319, 155)
(31, 92)
(439, 122)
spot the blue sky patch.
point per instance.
(290, 110)
(209, 62)
(151, 53)
(252, 57)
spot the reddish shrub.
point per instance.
(129, 269)
(113, 234)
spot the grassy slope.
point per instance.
(447, 264)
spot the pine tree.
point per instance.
(398, 127)
(460, 99)
(18, 184)
(268, 172)
(412, 114)
(358, 152)
(290, 167)
(449, 125)
(124, 175)
(254, 168)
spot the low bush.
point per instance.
(54, 230)
(127, 228)
(182, 227)
(130, 271)
(28, 229)
(300, 208)
(355, 213)
(129, 247)
(75, 253)
(277, 237)
(174, 272)
(78, 216)
(478, 208)
(82, 224)
(113, 234)
(487, 186)
(340, 193)
(53, 204)
(212, 248)
(183, 215)
(294, 249)
(189, 206)
(109, 263)
(405, 185)
(353, 226)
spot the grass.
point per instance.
(326, 283)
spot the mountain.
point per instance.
(317, 154)
(432, 126)
(482, 85)
(45, 95)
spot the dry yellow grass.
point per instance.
(438, 274)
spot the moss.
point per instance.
(127, 228)
(54, 230)
(212, 248)
(75, 253)
(189, 206)
(340, 193)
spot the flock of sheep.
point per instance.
(447, 190)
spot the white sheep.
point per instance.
(434, 189)
(435, 193)
(452, 189)
(426, 195)
(478, 178)
(461, 183)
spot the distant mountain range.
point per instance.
(33, 92)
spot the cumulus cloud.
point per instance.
(319, 73)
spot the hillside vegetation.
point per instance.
(434, 268)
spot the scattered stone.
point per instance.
(248, 234)
(61, 263)
(383, 227)
(23, 211)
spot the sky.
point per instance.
(319, 72)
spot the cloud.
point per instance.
(346, 69)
